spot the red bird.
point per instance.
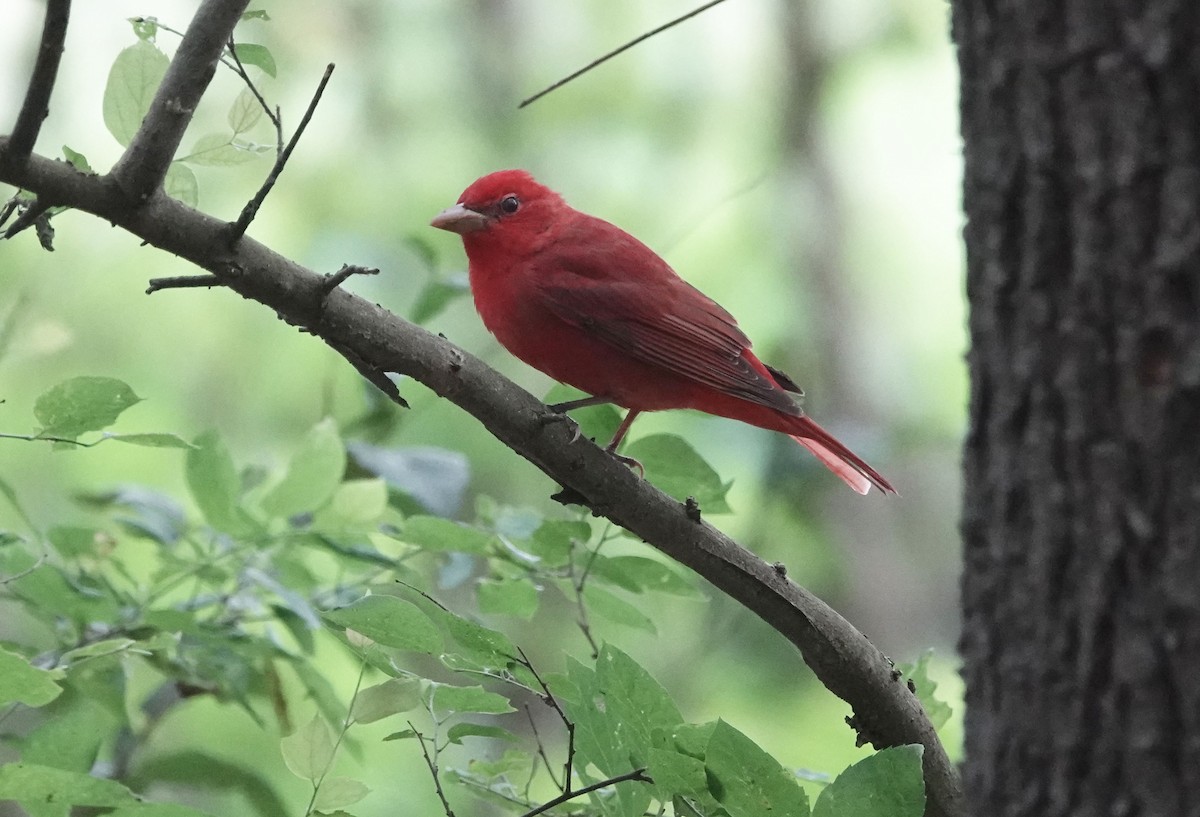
(590, 305)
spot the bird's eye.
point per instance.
(509, 204)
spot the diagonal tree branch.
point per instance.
(45, 70)
(142, 167)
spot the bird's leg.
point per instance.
(559, 411)
(622, 430)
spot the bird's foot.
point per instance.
(553, 416)
(629, 461)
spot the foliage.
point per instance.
(233, 600)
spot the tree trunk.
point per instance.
(1081, 587)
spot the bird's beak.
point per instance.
(459, 219)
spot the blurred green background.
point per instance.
(799, 162)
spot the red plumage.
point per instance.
(590, 305)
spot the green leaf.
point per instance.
(459, 731)
(145, 28)
(383, 700)
(355, 507)
(675, 773)
(336, 792)
(615, 609)
(219, 150)
(213, 481)
(180, 184)
(77, 160)
(747, 781)
(70, 737)
(517, 598)
(678, 471)
(255, 14)
(245, 112)
(403, 734)
(134, 77)
(389, 621)
(620, 713)
(435, 296)
(434, 533)
(24, 683)
(926, 688)
(484, 646)
(82, 404)
(886, 784)
(151, 440)
(257, 55)
(309, 750)
(639, 573)
(447, 698)
(314, 473)
(30, 783)
(554, 538)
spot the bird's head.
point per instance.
(501, 206)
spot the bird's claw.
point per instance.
(629, 461)
(554, 417)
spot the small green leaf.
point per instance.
(134, 77)
(463, 730)
(435, 296)
(926, 688)
(484, 646)
(615, 609)
(886, 784)
(77, 160)
(434, 533)
(255, 14)
(355, 507)
(245, 112)
(258, 55)
(314, 473)
(390, 621)
(677, 470)
(82, 404)
(383, 700)
(151, 440)
(146, 28)
(219, 150)
(180, 184)
(28, 783)
(213, 481)
(517, 598)
(309, 750)
(24, 683)
(747, 781)
(403, 734)
(447, 698)
(640, 573)
(554, 538)
(336, 792)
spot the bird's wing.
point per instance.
(631, 299)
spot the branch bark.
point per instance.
(45, 71)
(886, 712)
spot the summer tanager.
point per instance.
(590, 305)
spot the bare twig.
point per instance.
(617, 51)
(548, 698)
(28, 215)
(637, 774)
(183, 282)
(141, 169)
(541, 750)
(241, 71)
(37, 438)
(433, 770)
(238, 228)
(45, 70)
(333, 280)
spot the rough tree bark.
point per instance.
(1081, 125)
(375, 341)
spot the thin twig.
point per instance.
(34, 438)
(245, 77)
(238, 228)
(577, 583)
(541, 749)
(433, 770)
(614, 53)
(28, 215)
(637, 774)
(45, 70)
(552, 702)
(183, 282)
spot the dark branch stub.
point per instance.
(183, 282)
(45, 71)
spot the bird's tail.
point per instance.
(837, 458)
